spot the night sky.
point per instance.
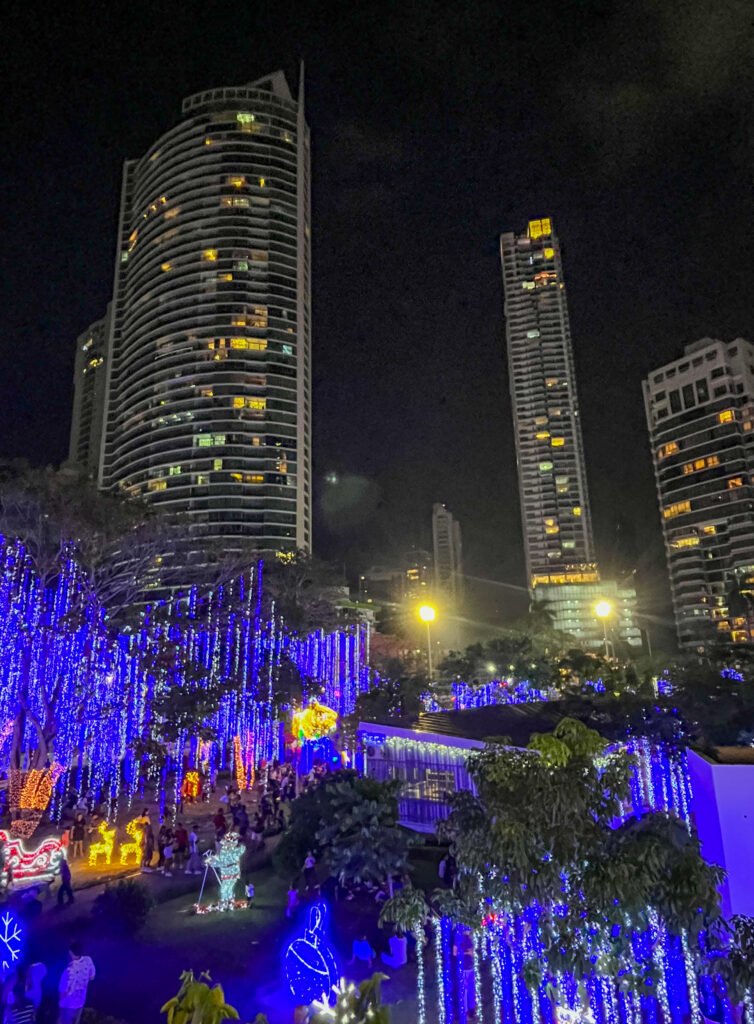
(435, 126)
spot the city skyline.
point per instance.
(384, 162)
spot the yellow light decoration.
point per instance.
(244, 770)
(134, 829)
(314, 721)
(104, 847)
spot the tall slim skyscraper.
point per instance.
(89, 396)
(555, 511)
(700, 414)
(446, 540)
(208, 403)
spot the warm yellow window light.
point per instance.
(210, 255)
(726, 416)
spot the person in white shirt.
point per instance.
(74, 984)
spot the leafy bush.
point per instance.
(123, 906)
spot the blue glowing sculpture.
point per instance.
(309, 963)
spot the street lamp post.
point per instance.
(603, 610)
(428, 614)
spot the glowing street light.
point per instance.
(603, 610)
(428, 614)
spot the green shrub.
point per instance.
(123, 906)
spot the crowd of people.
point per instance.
(22, 991)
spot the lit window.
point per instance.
(174, 471)
(548, 253)
(557, 442)
(735, 481)
(576, 510)
(206, 392)
(238, 320)
(254, 478)
(533, 334)
(256, 441)
(551, 382)
(208, 440)
(133, 238)
(210, 255)
(710, 529)
(262, 182)
(552, 529)
(259, 319)
(247, 122)
(157, 485)
(542, 435)
(540, 228)
(528, 285)
(166, 266)
(545, 467)
(726, 416)
(256, 403)
(217, 464)
(240, 264)
(259, 255)
(237, 477)
(691, 541)
(540, 421)
(676, 509)
(225, 277)
(237, 180)
(208, 141)
(234, 201)
(569, 545)
(173, 212)
(202, 478)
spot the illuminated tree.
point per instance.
(543, 823)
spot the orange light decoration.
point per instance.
(314, 721)
(37, 789)
(103, 848)
(134, 829)
(190, 787)
(243, 762)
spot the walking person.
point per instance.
(78, 832)
(74, 984)
(66, 889)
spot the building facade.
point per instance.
(89, 396)
(700, 415)
(556, 517)
(446, 542)
(208, 399)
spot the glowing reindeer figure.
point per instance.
(104, 847)
(136, 830)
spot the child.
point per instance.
(167, 868)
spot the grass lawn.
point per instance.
(241, 950)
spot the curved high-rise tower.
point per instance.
(208, 408)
